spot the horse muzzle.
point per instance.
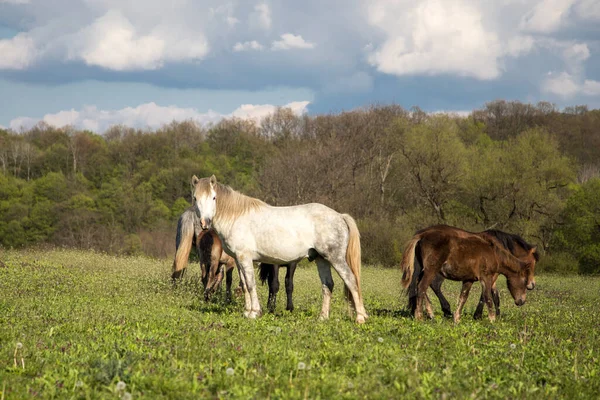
(520, 302)
(205, 223)
(531, 285)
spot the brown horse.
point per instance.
(511, 242)
(468, 259)
(215, 263)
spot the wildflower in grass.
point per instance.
(301, 366)
(278, 330)
(350, 385)
(380, 339)
(126, 396)
(513, 346)
(19, 345)
(229, 371)
(79, 384)
(121, 386)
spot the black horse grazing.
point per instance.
(270, 274)
(511, 242)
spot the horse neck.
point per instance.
(230, 206)
(507, 263)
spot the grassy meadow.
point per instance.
(77, 324)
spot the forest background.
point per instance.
(528, 169)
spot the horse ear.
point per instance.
(533, 250)
(213, 180)
(195, 180)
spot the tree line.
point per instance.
(522, 168)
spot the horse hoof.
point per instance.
(360, 319)
(323, 317)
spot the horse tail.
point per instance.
(183, 243)
(353, 251)
(266, 270)
(407, 264)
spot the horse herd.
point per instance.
(230, 229)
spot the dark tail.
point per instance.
(266, 272)
(412, 289)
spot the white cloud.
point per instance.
(112, 42)
(588, 9)
(261, 17)
(567, 86)
(17, 53)
(547, 16)
(591, 87)
(246, 46)
(226, 12)
(290, 41)
(435, 37)
(563, 85)
(147, 115)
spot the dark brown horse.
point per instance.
(215, 263)
(511, 242)
(467, 258)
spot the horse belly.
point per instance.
(456, 272)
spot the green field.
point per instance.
(87, 321)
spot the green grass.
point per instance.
(87, 321)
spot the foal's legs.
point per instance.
(495, 296)
(422, 293)
(436, 286)
(486, 288)
(324, 268)
(289, 285)
(462, 299)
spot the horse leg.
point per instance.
(343, 269)
(289, 285)
(273, 288)
(436, 286)
(496, 297)
(486, 288)
(479, 310)
(324, 268)
(462, 299)
(424, 283)
(246, 271)
(428, 306)
(228, 282)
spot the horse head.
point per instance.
(204, 193)
(531, 258)
(518, 282)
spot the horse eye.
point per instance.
(214, 198)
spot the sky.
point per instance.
(144, 63)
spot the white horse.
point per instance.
(252, 230)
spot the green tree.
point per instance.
(580, 232)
